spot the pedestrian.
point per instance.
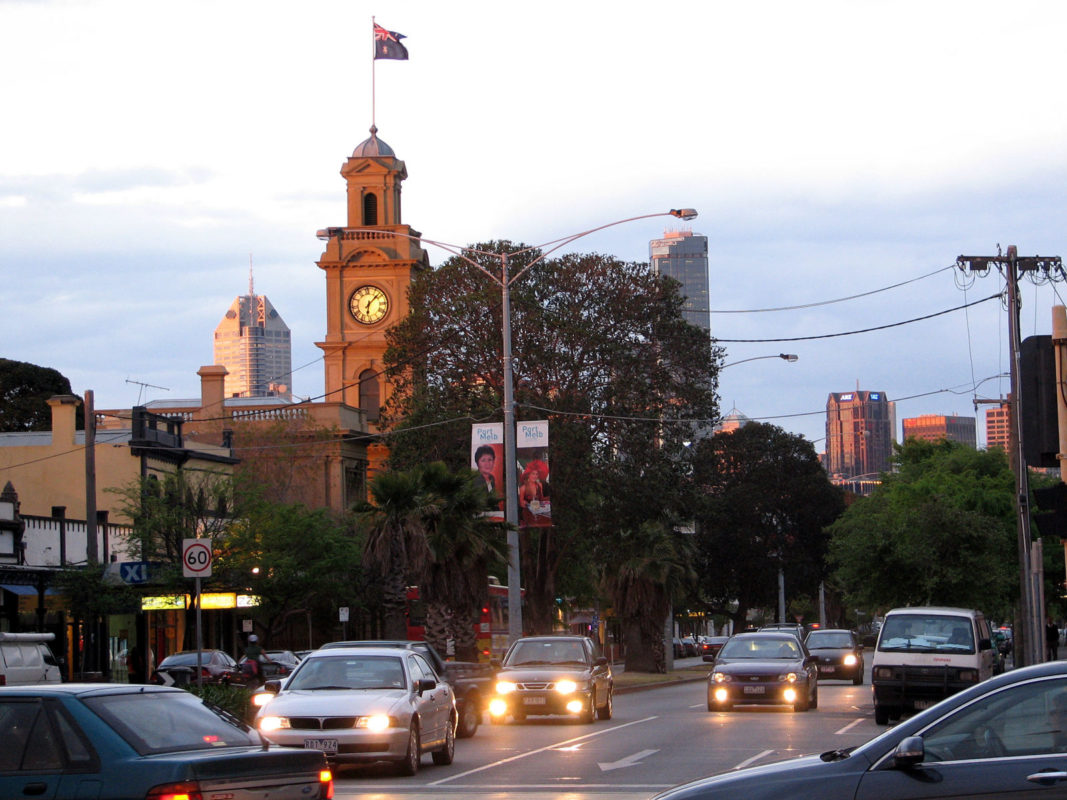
(1052, 641)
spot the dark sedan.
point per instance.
(124, 742)
(1003, 737)
(838, 653)
(553, 675)
(179, 669)
(711, 645)
(767, 668)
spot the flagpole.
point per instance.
(373, 77)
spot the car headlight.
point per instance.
(566, 687)
(268, 724)
(260, 699)
(850, 660)
(789, 677)
(375, 722)
(505, 687)
(720, 677)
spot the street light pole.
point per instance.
(511, 509)
(790, 357)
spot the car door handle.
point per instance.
(1047, 776)
(34, 788)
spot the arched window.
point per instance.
(370, 394)
(370, 209)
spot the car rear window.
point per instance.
(165, 722)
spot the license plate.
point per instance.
(827, 669)
(325, 745)
(533, 701)
(755, 689)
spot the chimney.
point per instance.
(212, 392)
(64, 414)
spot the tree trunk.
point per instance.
(465, 637)
(438, 623)
(643, 638)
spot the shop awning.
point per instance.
(19, 589)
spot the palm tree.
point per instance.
(461, 545)
(647, 565)
(394, 525)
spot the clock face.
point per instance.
(368, 304)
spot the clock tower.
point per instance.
(369, 265)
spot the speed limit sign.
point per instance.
(196, 558)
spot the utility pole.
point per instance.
(1029, 645)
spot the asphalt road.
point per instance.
(658, 737)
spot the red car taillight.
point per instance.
(326, 788)
(186, 790)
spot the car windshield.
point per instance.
(167, 722)
(185, 659)
(540, 652)
(761, 648)
(926, 633)
(348, 672)
(829, 639)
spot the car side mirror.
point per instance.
(494, 663)
(425, 685)
(709, 658)
(272, 686)
(909, 752)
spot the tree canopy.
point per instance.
(600, 349)
(24, 392)
(939, 530)
(763, 503)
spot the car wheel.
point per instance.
(410, 765)
(589, 714)
(447, 753)
(881, 715)
(815, 697)
(469, 718)
(857, 679)
(518, 716)
(803, 702)
(606, 710)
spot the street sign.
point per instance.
(196, 558)
(133, 571)
(343, 613)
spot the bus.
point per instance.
(491, 628)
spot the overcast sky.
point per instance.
(832, 149)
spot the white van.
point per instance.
(26, 658)
(923, 655)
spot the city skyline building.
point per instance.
(255, 346)
(998, 427)
(683, 255)
(859, 434)
(934, 427)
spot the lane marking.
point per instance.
(555, 746)
(628, 761)
(848, 727)
(754, 758)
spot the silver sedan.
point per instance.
(364, 705)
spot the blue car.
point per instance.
(127, 742)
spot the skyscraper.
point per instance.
(933, 427)
(683, 255)
(859, 433)
(255, 346)
(998, 427)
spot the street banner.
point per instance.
(531, 450)
(487, 457)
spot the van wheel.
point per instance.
(881, 715)
(470, 717)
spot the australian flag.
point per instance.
(387, 44)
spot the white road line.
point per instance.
(754, 758)
(848, 727)
(541, 750)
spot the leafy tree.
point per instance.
(600, 347)
(645, 567)
(763, 501)
(940, 530)
(24, 392)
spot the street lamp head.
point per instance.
(789, 356)
(684, 213)
(328, 233)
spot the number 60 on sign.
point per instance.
(196, 558)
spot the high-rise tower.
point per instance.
(683, 255)
(255, 345)
(859, 433)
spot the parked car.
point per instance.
(65, 740)
(179, 669)
(794, 628)
(838, 654)
(471, 682)
(362, 705)
(689, 647)
(553, 675)
(679, 648)
(1003, 737)
(763, 667)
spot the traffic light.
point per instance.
(1051, 513)
(1037, 386)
